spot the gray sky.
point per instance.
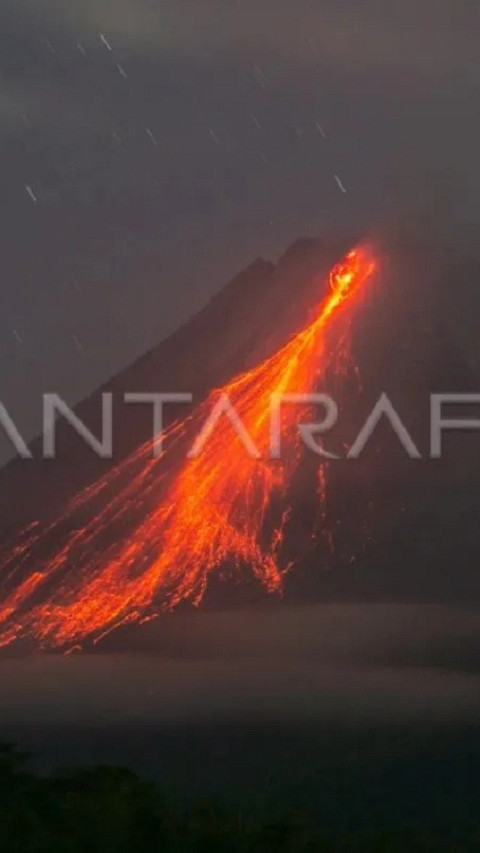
(150, 149)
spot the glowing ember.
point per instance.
(165, 524)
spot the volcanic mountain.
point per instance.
(393, 527)
(247, 319)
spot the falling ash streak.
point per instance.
(207, 513)
(30, 193)
(105, 41)
(151, 136)
(214, 136)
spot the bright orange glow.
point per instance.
(164, 525)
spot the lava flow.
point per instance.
(157, 527)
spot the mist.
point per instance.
(362, 662)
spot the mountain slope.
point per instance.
(253, 314)
(396, 529)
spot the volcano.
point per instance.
(384, 525)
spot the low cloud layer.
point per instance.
(381, 663)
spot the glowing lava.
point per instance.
(164, 526)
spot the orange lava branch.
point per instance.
(157, 539)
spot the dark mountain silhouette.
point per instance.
(251, 316)
(400, 527)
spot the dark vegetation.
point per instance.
(385, 793)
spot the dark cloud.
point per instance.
(128, 237)
(436, 39)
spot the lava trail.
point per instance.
(157, 527)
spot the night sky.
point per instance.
(149, 150)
